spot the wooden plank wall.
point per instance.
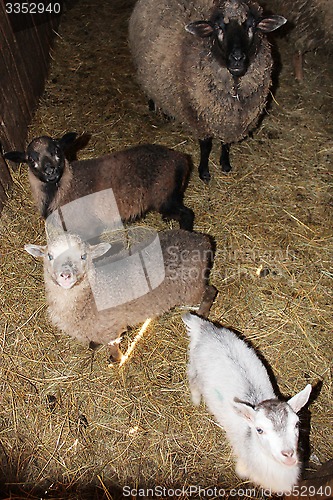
(25, 43)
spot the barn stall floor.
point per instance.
(73, 427)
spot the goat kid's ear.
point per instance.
(244, 410)
(271, 23)
(299, 400)
(200, 28)
(16, 156)
(99, 250)
(35, 250)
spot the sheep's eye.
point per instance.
(297, 425)
(84, 256)
(49, 256)
(259, 431)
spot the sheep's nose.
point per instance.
(66, 274)
(287, 453)
(237, 56)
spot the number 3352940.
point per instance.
(32, 8)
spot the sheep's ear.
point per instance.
(35, 250)
(243, 409)
(16, 156)
(67, 139)
(299, 400)
(200, 28)
(271, 23)
(99, 250)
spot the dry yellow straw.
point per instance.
(134, 342)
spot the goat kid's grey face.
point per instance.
(280, 441)
(235, 41)
(67, 261)
(275, 424)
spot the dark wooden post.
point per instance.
(25, 42)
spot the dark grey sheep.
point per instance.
(207, 63)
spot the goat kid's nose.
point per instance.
(288, 453)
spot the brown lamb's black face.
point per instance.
(46, 159)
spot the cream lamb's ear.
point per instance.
(99, 250)
(35, 250)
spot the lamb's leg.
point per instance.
(207, 301)
(205, 149)
(224, 158)
(186, 219)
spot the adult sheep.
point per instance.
(206, 63)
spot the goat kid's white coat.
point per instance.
(234, 383)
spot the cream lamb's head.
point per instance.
(67, 258)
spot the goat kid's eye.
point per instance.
(259, 431)
(84, 256)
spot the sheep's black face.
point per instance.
(232, 45)
(235, 41)
(46, 159)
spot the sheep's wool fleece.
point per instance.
(74, 311)
(176, 69)
(312, 22)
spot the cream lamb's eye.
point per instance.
(259, 430)
(49, 256)
(84, 256)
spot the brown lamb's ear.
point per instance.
(200, 28)
(67, 139)
(16, 156)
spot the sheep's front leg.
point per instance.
(205, 149)
(224, 158)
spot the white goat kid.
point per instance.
(236, 388)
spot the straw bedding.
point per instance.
(71, 426)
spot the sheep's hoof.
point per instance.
(205, 176)
(226, 167)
